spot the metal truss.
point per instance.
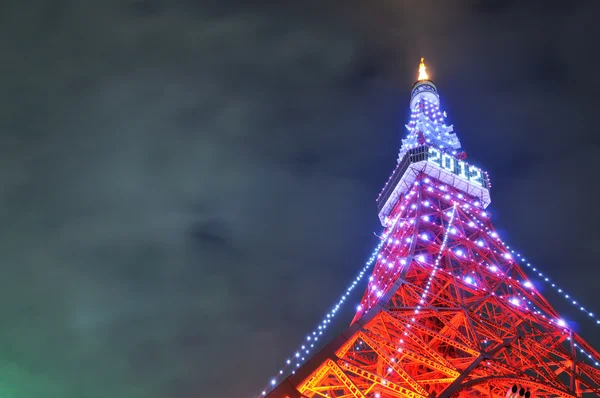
(473, 328)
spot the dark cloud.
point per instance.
(186, 187)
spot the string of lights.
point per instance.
(381, 278)
(543, 277)
(476, 212)
(559, 322)
(443, 257)
(436, 268)
(436, 264)
(586, 354)
(509, 251)
(554, 322)
(312, 338)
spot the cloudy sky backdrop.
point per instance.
(187, 186)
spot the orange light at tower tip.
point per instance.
(423, 71)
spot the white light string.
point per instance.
(393, 264)
(427, 286)
(436, 264)
(542, 276)
(299, 356)
(312, 338)
(527, 284)
(548, 281)
(481, 213)
(587, 356)
(559, 322)
(444, 193)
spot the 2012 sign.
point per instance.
(458, 167)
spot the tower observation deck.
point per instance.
(448, 309)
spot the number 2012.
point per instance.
(455, 166)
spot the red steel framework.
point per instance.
(448, 312)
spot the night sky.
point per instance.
(187, 187)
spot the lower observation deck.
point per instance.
(439, 165)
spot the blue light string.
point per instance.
(305, 349)
(300, 355)
(544, 277)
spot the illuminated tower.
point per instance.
(448, 310)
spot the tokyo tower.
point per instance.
(448, 310)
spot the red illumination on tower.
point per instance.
(448, 310)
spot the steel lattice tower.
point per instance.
(448, 312)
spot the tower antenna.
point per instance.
(422, 71)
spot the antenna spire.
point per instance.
(423, 71)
